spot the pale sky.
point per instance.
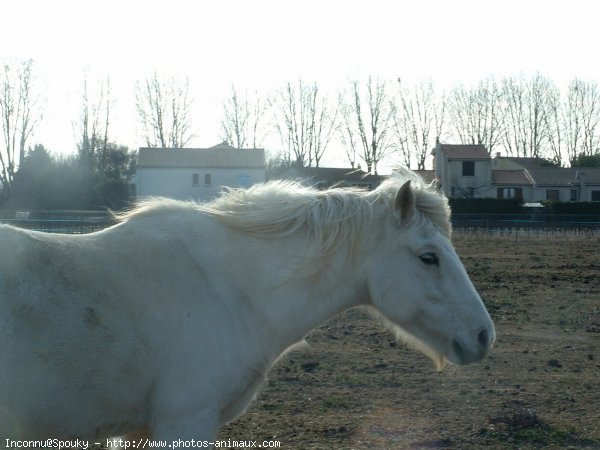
(262, 44)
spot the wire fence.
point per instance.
(67, 222)
(487, 221)
(485, 225)
(526, 225)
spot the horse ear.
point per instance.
(405, 200)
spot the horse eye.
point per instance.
(430, 258)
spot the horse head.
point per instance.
(417, 282)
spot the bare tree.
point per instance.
(241, 124)
(366, 121)
(476, 115)
(17, 105)
(513, 95)
(163, 107)
(93, 126)
(346, 131)
(582, 118)
(571, 120)
(526, 103)
(591, 118)
(98, 154)
(554, 124)
(305, 122)
(418, 120)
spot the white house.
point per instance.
(469, 171)
(462, 170)
(197, 173)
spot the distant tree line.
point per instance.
(96, 176)
(367, 121)
(374, 119)
(45, 182)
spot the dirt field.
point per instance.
(355, 388)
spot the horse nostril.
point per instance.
(483, 338)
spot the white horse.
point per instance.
(169, 321)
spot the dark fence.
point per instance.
(69, 222)
(78, 222)
(531, 221)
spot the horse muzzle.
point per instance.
(469, 349)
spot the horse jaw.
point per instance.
(439, 360)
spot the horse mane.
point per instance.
(280, 208)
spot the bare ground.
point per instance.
(356, 388)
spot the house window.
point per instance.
(195, 179)
(207, 180)
(506, 193)
(573, 196)
(596, 196)
(553, 195)
(468, 168)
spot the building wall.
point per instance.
(480, 182)
(492, 191)
(528, 194)
(540, 193)
(440, 165)
(586, 193)
(454, 184)
(178, 183)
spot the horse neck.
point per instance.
(329, 287)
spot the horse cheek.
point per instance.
(392, 296)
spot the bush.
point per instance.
(573, 208)
(485, 206)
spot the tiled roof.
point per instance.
(527, 163)
(553, 176)
(328, 175)
(214, 157)
(547, 176)
(332, 173)
(513, 177)
(464, 151)
(565, 175)
(590, 175)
